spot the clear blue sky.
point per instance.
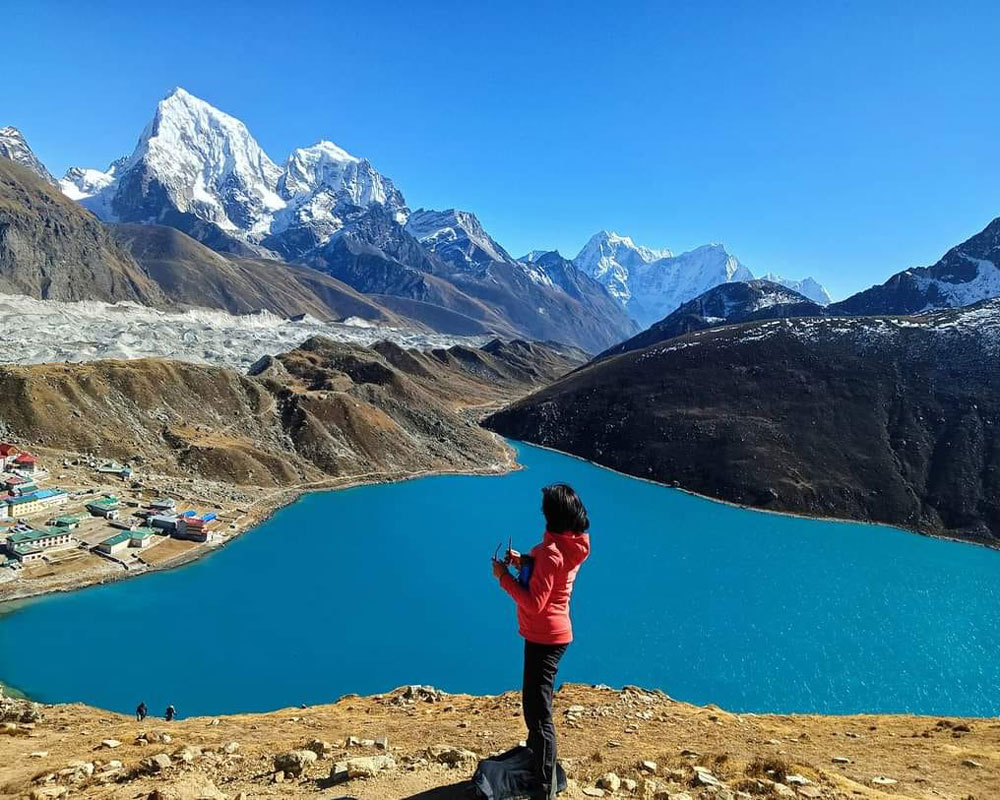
(846, 140)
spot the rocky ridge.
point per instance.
(420, 742)
(323, 410)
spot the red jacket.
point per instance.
(543, 608)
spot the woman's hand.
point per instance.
(499, 569)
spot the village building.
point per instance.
(35, 501)
(115, 544)
(8, 453)
(11, 481)
(114, 468)
(30, 544)
(141, 537)
(163, 504)
(106, 507)
(67, 521)
(165, 522)
(25, 462)
(194, 528)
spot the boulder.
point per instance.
(362, 767)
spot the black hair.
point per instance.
(563, 509)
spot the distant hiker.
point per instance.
(170, 714)
(140, 712)
(542, 591)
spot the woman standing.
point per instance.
(542, 591)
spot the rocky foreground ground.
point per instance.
(417, 742)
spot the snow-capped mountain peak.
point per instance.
(536, 255)
(457, 236)
(809, 287)
(80, 183)
(608, 257)
(14, 146)
(194, 161)
(308, 167)
(208, 163)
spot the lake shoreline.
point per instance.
(282, 498)
(776, 512)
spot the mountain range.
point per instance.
(323, 231)
(652, 283)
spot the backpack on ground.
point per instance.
(510, 776)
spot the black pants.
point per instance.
(540, 664)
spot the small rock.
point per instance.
(319, 747)
(188, 787)
(797, 780)
(841, 760)
(704, 777)
(188, 754)
(881, 780)
(38, 754)
(648, 766)
(445, 754)
(293, 763)
(230, 747)
(591, 791)
(609, 781)
(971, 763)
(781, 790)
(364, 767)
(629, 785)
(156, 763)
(48, 792)
(110, 744)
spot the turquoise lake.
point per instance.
(371, 588)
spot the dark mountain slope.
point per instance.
(894, 420)
(725, 304)
(550, 300)
(188, 272)
(966, 274)
(51, 248)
